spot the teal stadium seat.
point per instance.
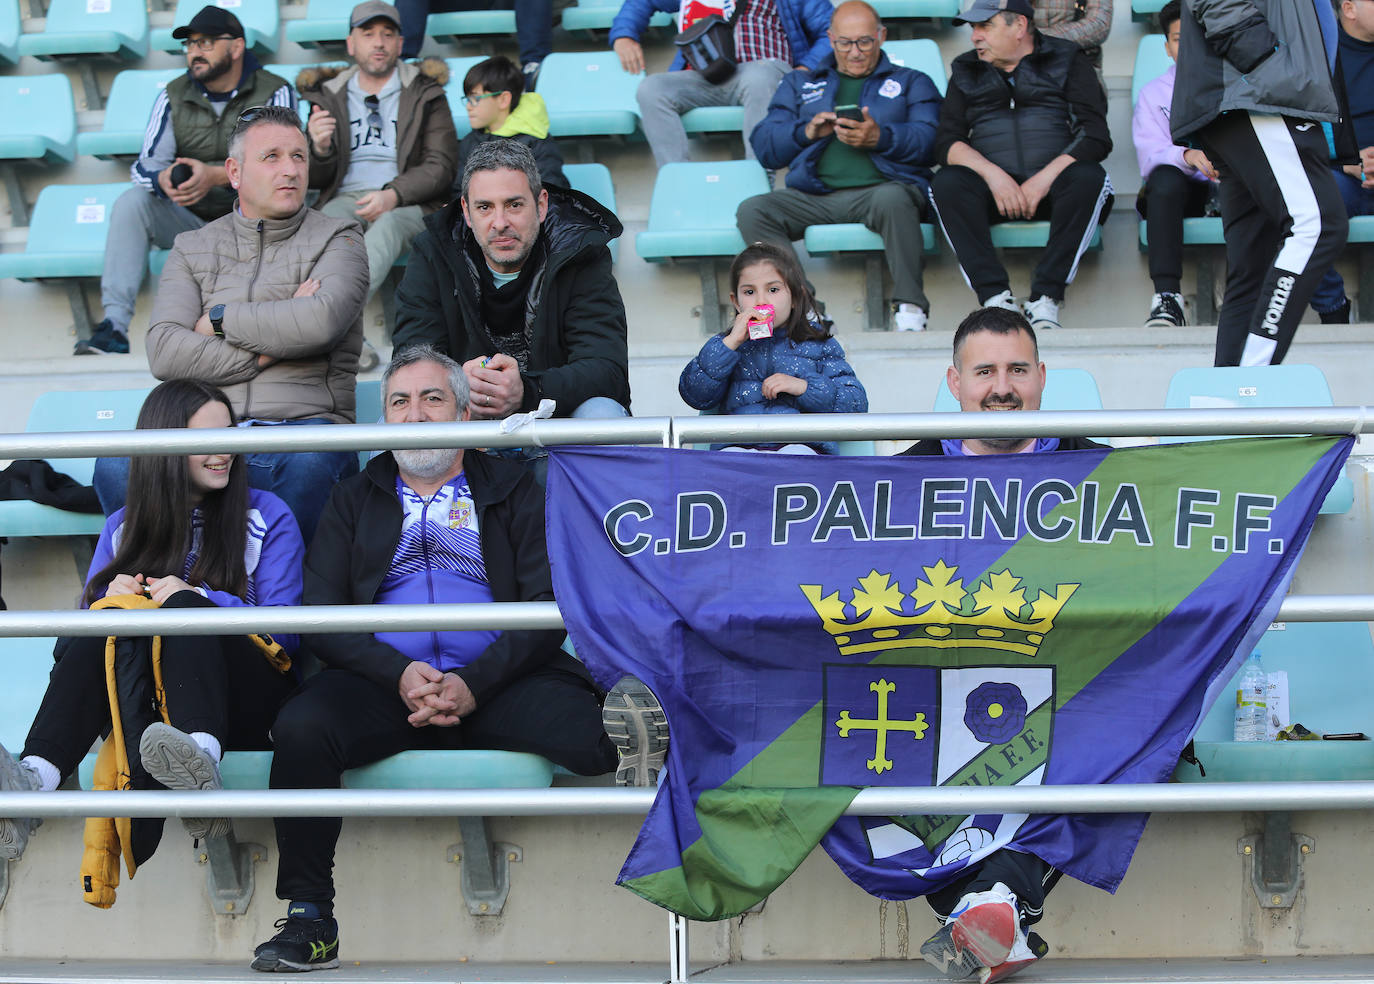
(692, 216)
(1065, 389)
(1361, 238)
(39, 121)
(25, 665)
(597, 15)
(1032, 235)
(325, 24)
(897, 10)
(1289, 385)
(1151, 61)
(118, 28)
(458, 69)
(589, 95)
(461, 25)
(56, 413)
(1143, 11)
(595, 180)
(10, 28)
(1330, 668)
(127, 111)
(260, 19)
(67, 234)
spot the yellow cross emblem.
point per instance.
(881, 724)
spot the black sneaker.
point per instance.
(530, 70)
(305, 941)
(1340, 316)
(1166, 311)
(635, 722)
(104, 340)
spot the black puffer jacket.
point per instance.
(1055, 106)
(1265, 56)
(576, 325)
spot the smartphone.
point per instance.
(850, 113)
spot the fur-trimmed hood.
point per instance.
(335, 76)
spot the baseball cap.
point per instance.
(212, 22)
(370, 10)
(984, 10)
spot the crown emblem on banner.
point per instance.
(939, 613)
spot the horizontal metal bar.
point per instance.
(332, 619)
(698, 429)
(607, 801)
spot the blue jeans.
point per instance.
(302, 479)
(1330, 293)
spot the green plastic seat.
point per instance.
(127, 110)
(914, 9)
(692, 211)
(118, 28)
(597, 15)
(714, 119)
(1151, 61)
(1031, 235)
(66, 233)
(11, 26)
(922, 54)
(1287, 385)
(1145, 10)
(325, 23)
(1065, 389)
(589, 95)
(457, 25)
(458, 69)
(25, 665)
(66, 412)
(595, 180)
(855, 237)
(261, 22)
(39, 121)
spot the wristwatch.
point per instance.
(217, 319)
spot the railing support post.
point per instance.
(229, 872)
(1275, 860)
(677, 949)
(484, 867)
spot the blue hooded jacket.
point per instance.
(903, 101)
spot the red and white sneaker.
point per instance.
(986, 924)
(1027, 949)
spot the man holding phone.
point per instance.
(857, 135)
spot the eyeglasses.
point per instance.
(374, 114)
(204, 44)
(863, 44)
(474, 100)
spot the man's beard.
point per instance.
(429, 463)
(213, 70)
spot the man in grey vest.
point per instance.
(179, 177)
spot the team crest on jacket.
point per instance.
(890, 89)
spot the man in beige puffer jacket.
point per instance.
(267, 303)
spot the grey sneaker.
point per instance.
(174, 759)
(1043, 313)
(16, 777)
(941, 953)
(635, 722)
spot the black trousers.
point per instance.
(1025, 874)
(340, 720)
(221, 685)
(1285, 224)
(1166, 199)
(967, 212)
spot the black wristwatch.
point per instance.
(217, 319)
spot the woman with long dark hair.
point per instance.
(192, 534)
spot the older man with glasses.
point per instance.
(857, 136)
(383, 149)
(179, 177)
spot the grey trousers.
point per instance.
(893, 210)
(385, 239)
(139, 220)
(665, 96)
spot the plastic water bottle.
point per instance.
(1251, 704)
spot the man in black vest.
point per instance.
(179, 178)
(1023, 132)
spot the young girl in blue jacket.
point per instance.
(799, 369)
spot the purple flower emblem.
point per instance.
(995, 712)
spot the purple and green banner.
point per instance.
(815, 624)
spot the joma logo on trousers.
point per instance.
(1277, 302)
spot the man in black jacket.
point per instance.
(415, 527)
(474, 271)
(997, 367)
(1022, 135)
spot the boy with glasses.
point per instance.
(500, 109)
(179, 177)
(383, 150)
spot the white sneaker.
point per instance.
(908, 317)
(1043, 313)
(1004, 300)
(16, 777)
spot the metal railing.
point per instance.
(667, 432)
